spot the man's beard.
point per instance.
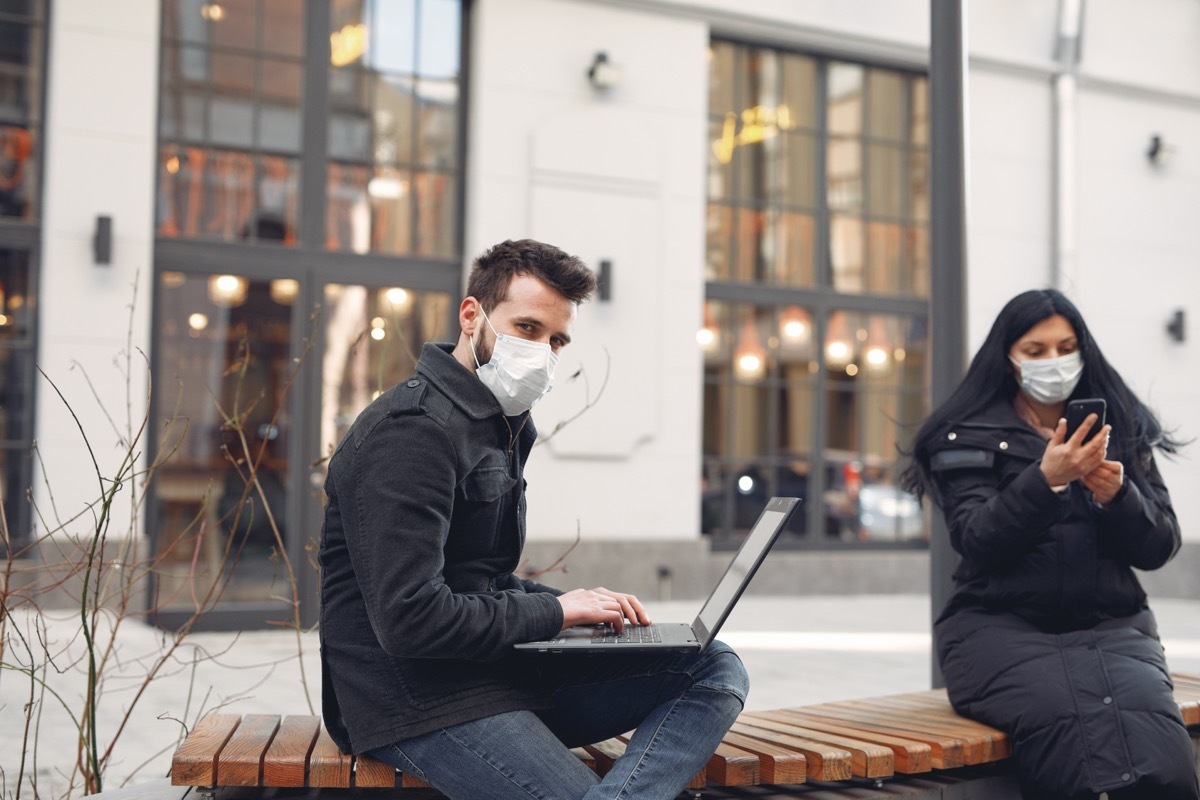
(483, 351)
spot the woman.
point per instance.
(1048, 635)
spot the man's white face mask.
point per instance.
(1050, 380)
(519, 373)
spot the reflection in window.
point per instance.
(16, 388)
(373, 338)
(394, 127)
(815, 360)
(22, 44)
(225, 366)
(230, 120)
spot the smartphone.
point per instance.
(1077, 412)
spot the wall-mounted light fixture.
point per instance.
(102, 240)
(603, 74)
(1176, 327)
(1159, 153)
(604, 281)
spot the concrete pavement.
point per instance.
(798, 650)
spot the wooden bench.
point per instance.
(871, 740)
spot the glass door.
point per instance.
(253, 397)
(372, 337)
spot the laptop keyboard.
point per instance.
(630, 634)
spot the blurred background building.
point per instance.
(256, 210)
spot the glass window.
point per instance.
(22, 65)
(22, 42)
(230, 127)
(394, 127)
(818, 212)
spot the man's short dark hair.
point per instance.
(493, 271)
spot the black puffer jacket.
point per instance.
(1048, 635)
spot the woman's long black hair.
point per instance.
(1135, 428)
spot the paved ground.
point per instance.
(798, 650)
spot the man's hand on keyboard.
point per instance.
(601, 606)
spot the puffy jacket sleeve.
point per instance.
(994, 518)
(396, 537)
(1140, 525)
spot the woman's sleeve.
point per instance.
(993, 518)
(1139, 524)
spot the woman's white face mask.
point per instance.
(1050, 380)
(519, 373)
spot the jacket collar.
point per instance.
(997, 427)
(458, 383)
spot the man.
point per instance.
(424, 526)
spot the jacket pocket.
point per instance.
(487, 483)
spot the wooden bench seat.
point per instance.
(872, 739)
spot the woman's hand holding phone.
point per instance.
(1065, 460)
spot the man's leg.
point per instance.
(508, 756)
(680, 705)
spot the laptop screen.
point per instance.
(748, 557)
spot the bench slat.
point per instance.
(241, 760)
(868, 760)
(195, 762)
(823, 762)
(775, 764)
(370, 773)
(328, 766)
(733, 766)
(286, 762)
(908, 755)
(975, 745)
(946, 752)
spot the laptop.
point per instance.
(666, 637)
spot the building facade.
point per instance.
(295, 191)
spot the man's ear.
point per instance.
(468, 315)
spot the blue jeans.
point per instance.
(680, 705)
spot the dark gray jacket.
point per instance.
(424, 526)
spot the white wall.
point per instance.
(617, 175)
(99, 156)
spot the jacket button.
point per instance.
(1125, 776)
(414, 383)
(1004, 445)
(1108, 701)
(952, 436)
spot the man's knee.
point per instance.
(723, 670)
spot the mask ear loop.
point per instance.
(474, 353)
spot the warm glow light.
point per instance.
(378, 322)
(386, 187)
(852, 370)
(400, 300)
(378, 333)
(838, 351)
(227, 290)
(284, 290)
(5, 319)
(794, 329)
(347, 45)
(877, 356)
(706, 338)
(212, 12)
(750, 360)
(899, 354)
(173, 164)
(172, 279)
(750, 364)
(198, 321)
